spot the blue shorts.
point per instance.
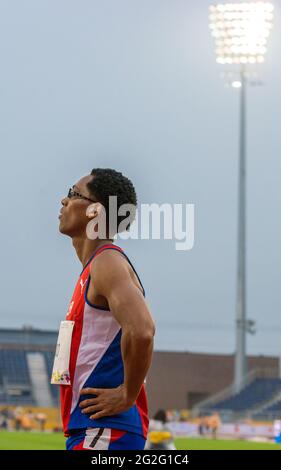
(105, 439)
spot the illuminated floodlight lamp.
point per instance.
(241, 31)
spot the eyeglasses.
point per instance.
(72, 193)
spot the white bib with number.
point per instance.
(60, 374)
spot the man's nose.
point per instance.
(64, 200)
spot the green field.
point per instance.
(31, 441)
(210, 444)
(41, 441)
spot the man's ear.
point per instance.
(96, 227)
(94, 210)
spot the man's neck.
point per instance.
(85, 247)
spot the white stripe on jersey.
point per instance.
(99, 330)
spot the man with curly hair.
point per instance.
(105, 344)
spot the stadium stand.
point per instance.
(259, 399)
(26, 358)
(25, 378)
(269, 411)
(254, 394)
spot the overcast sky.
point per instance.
(133, 85)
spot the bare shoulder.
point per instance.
(112, 269)
(110, 263)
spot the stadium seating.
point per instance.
(15, 381)
(272, 411)
(13, 367)
(256, 393)
(276, 407)
(49, 358)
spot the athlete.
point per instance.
(105, 345)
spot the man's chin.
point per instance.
(63, 229)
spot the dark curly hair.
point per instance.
(107, 182)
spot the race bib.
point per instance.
(60, 374)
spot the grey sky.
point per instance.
(134, 86)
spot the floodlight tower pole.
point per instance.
(241, 321)
(241, 31)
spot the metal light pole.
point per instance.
(241, 31)
(241, 357)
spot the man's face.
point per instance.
(73, 219)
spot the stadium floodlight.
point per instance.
(241, 31)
